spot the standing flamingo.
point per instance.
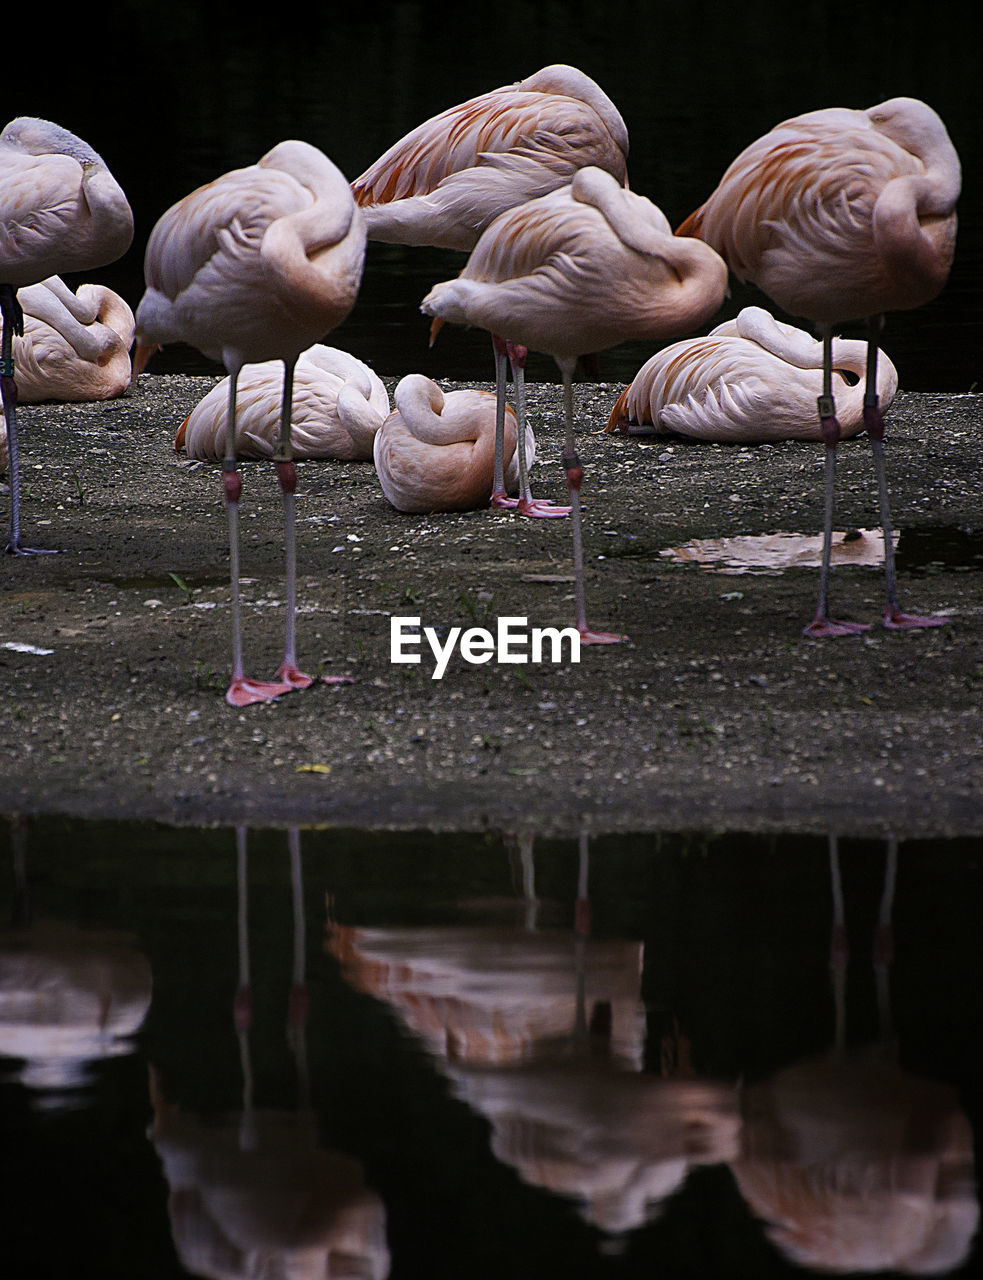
(75, 346)
(750, 379)
(436, 452)
(575, 272)
(843, 215)
(256, 265)
(449, 178)
(60, 210)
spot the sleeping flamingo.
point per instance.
(339, 404)
(436, 451)
(750, 379)
(575, 272)
(256, 265)
(60, 210)
(843, 215)
(449, 178)
(75, 346)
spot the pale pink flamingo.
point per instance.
(575, 272)
(75, 346)
(436, 451)
(752, 378)
(253, 266)
(448, 179)
(339, 404)
(445, 181)
(843, 215)
(60, 210)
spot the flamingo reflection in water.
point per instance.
(854, 1163)
(254, 1194)
(543, 1032)
(70, 997)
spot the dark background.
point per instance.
(174, 96)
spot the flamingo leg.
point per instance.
(575, 475)
(241, 691)
(527, 505)
(895, 619)
(288, 672)
(13, 322)
(823, 626)
(499, 497)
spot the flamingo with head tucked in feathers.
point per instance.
(60, 210)
(843, 215)
(254, 266)
(752, 378)
(75, 346)
(435, 452)
(450, 177)
(574, 272)
(339, 404)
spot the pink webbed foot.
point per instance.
(543, 508)
(502, 501)
(826, 628)
(895, 620)
(291, 675)
(243, 692)
(599, 637)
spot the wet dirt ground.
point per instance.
(715, 714)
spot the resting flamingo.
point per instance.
(339, 404)
(843, 215)
(449, 178)
(60, 210)
(75, 346)
(256, 265)
(436, 451)
(575, 272)
(752, 378)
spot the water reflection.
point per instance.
(252, 1193)
(855, 1163)
(485, 1056)
(70, 997)
(773, 552)
(542, 1031)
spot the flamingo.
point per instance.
(752, 378)
(256, 265)
(575, 272)
(843, 215)
(60, 210)
(436, 451)
(444, 182)
(75, 346)
(339, 404)
(449, 178)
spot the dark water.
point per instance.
(480, 1055)
(173, 101)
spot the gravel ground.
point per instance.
(715, 714)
